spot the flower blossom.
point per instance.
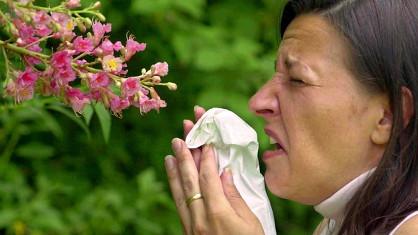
(98, 80)
(27, 78)
(23, 88)
(106, 47)
(72, 4)
(86, 54)
(161, 69)
(132, 47)
(42, 21)
(99, 30)
(66, 26)
(112, 64)
(61, 59)
(117, 105)
(77, 99)
(83, 44)
(146, 104)
(130, 87)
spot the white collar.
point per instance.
(334, 206)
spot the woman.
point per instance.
(342, 109)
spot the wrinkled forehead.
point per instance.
(312, 37)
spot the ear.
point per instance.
(407, 105)
(382, 130)
(383, 122)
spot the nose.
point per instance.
(265, 102)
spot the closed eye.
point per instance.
(296, 81)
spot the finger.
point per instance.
(177, 192)
(210, 183)
(198, 112)
(190, 182)
(234, 197)
(197, 153)
(187, 127)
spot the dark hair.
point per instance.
(383, 37)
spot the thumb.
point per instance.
(234, 197)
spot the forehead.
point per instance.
(311, 38)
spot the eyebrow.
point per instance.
(288, 62)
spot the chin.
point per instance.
(283, 190)
(274, 184)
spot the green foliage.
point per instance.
(92, 174)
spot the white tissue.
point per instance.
(235, 144)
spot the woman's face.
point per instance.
(318, 113)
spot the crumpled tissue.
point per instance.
(236, 146)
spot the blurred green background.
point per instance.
(59, 176)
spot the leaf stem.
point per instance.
(22, 50)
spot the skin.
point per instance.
(331, 128)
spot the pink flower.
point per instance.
(27, 78)
(83, 44)
(161, 69)
(117, 46)
(67, 25)
(20, 93)
(81, 62)
(112, 64)
(42, 20)
(98, 80)
(41, 17)
(24, 86)
(43, 30)
(130, 87)
(65, 75)
(107, 47)
(77, 99)
(132, 47)
(61, 59)
(72, 4)
(147, 105)
(117, 105)
(26, 32)
(99, 30)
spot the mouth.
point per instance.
(279, 149)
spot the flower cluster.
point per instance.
(83, 66)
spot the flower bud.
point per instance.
(156, 79)
(80, 25)
(83, 76)
(118, 83)
(56, 27)
(171, 86)
(13, 30)
(101, 16)
(87, 22)
(154, 93)
(97, 5)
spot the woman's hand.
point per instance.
(221, 210)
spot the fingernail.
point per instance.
(176, 143)
(196, 107)
(169, 162)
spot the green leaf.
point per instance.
(149, 6)
(104, 119)
(71, 116)
(35, 150)
(7, 216)
(49, 122)
(88, 113)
